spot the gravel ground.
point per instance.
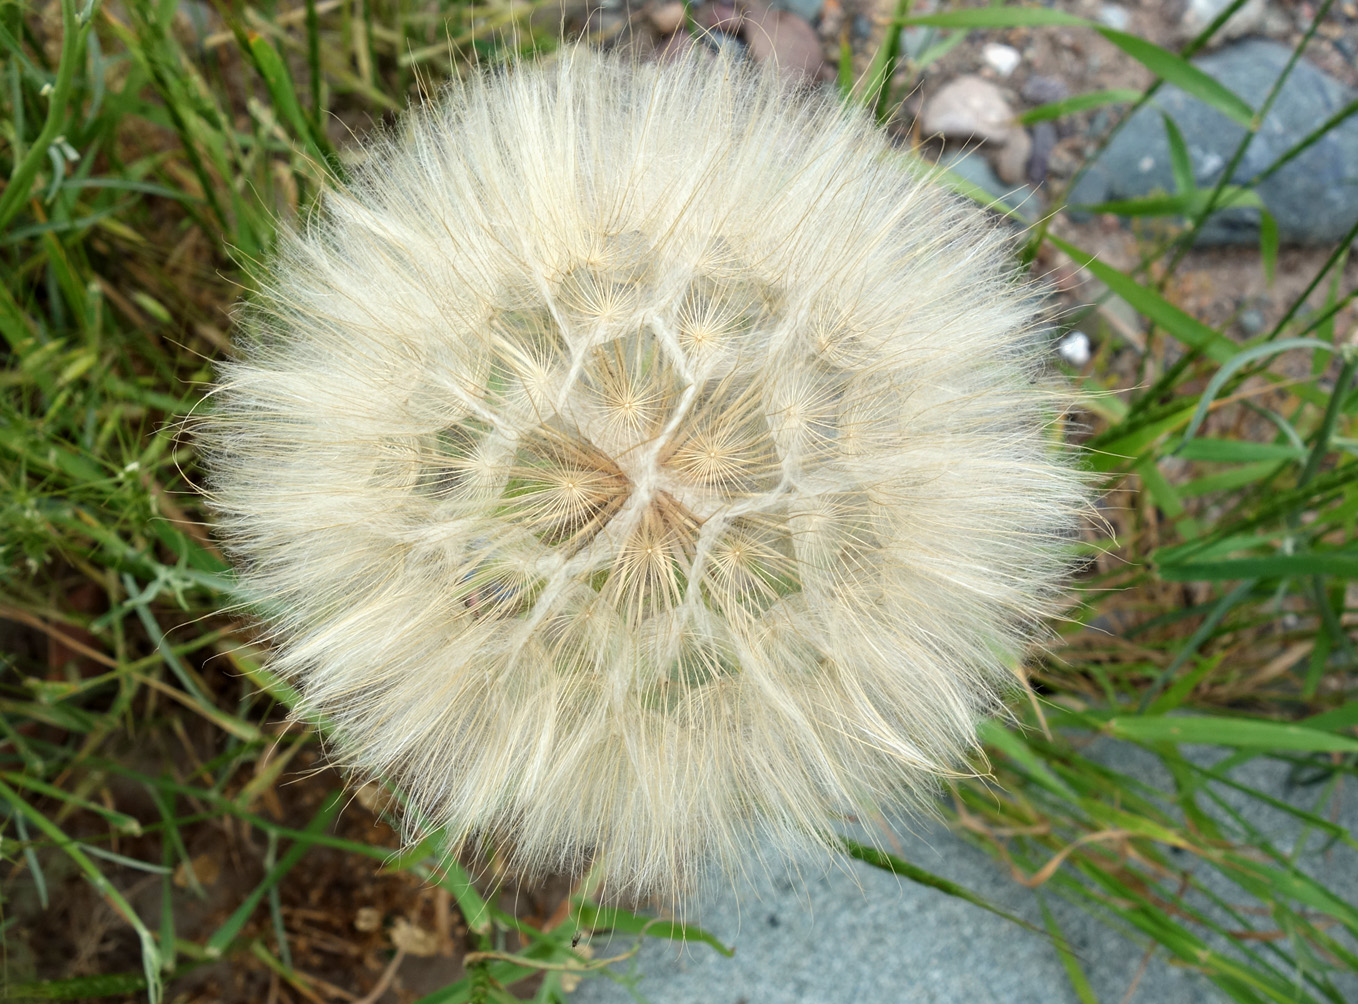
(861, 934)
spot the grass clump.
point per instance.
(164, 835)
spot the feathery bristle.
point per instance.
(633, 459)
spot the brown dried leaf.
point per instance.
(414, 940)
(205, 868)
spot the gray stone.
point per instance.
(971, 166)
(968, 107)
(1314, 197)
(1251, 321)
(916, 41)
(1012, 159)
(807, 10)
(1044, 142)
(854, 933)
(1040, 90)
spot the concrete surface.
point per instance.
(855, 933)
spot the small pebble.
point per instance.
(1011, 162)
(1075, 348)
(1040, 90)
(807, 10)
(785, 40)
(667, 17)
(1044, 142)
(1003, 59)
(968, 107)
(1114, 17)
(1251, 321)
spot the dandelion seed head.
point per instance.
(634, 460)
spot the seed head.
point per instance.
(632, 460)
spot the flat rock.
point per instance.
(1314, 197)
(968, 107)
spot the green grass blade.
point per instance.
(903, 868)
(231, 927)
(1231, 366)
(1242, 733)
(1182, 74)
(150, 955)
(1079, 103)
(590, 917)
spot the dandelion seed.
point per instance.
(635, 460)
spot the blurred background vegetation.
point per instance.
(166, 834)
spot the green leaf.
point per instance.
(1343, 717)
(1183, 686)
(278, 80)
(1005, 741)
(602, 918)
(1236, 451)
(1344, 563)
(845, 76)
(1238, 360)
(1119, 445)
(78, 988)
(877, 93)
(1177, 71)
(1290, 883)
(1181, 164)
(1150, 205)
(222, 938)
(1160, 490)
(1244, 733)
(1079, 103)
(119, 820)
(474, 909)
(1078, 981)
(1231, 479)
